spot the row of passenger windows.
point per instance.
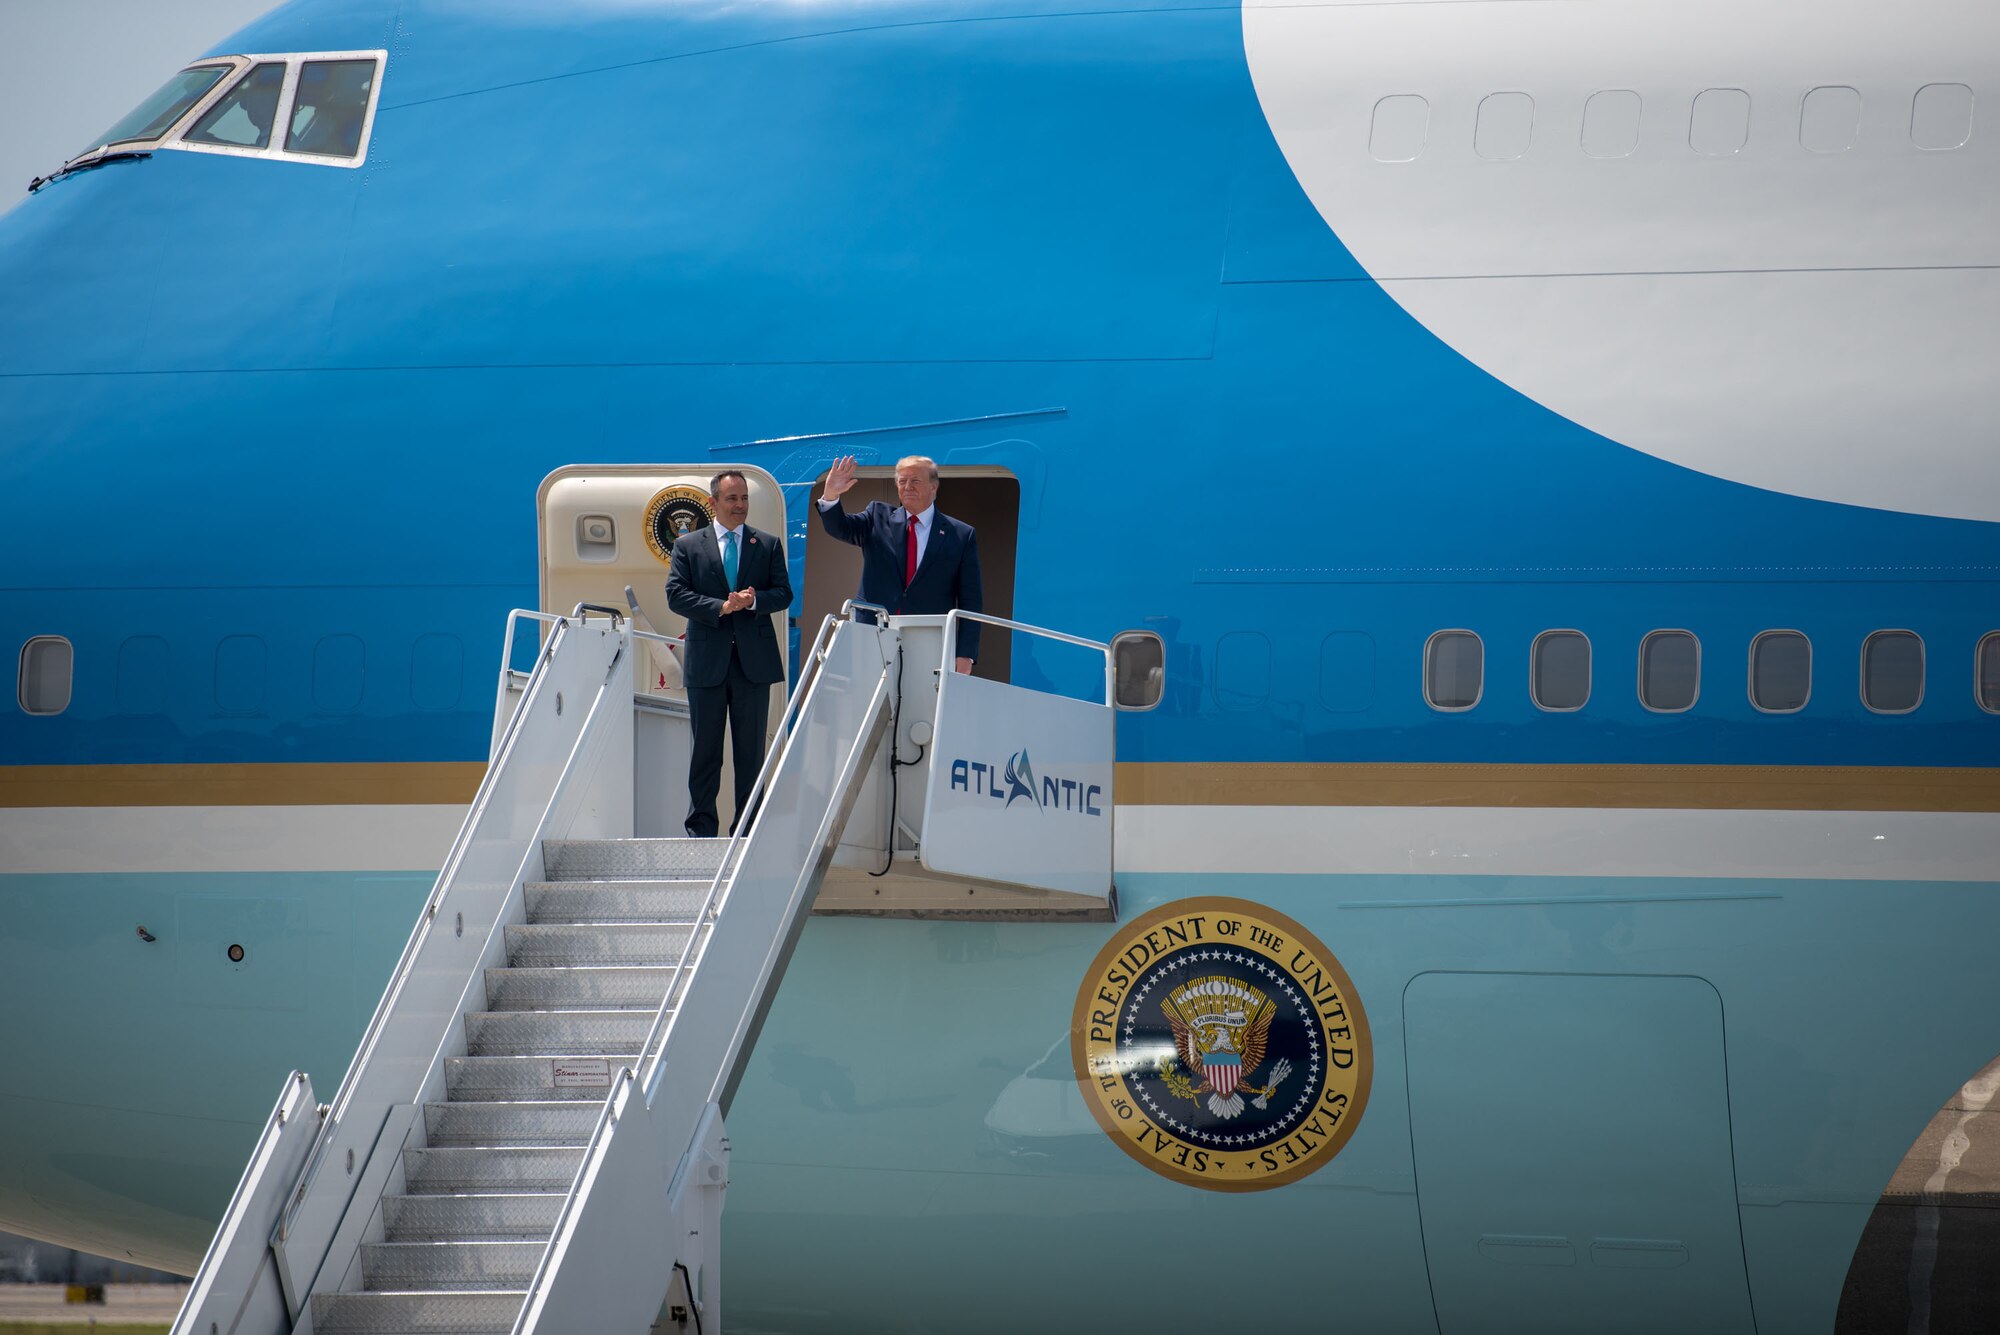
(45, 682)
(1780, 676)
(1718, 122)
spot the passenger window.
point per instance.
(1780, 671)
(1892, 671)
(1139, 669)
(1986, 672)
(1400, 126)
(1559, 670)
(1941, 117)
(1611, 123)
(1719, 124)
(1829, 119)
(1454, 670)
(1505, 126)
(1669, 671)
(242, 119)
(330, 108)
(48, 662)
(157, 114)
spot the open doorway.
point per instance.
(989, 499)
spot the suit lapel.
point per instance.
(712, 549)
(938, 531)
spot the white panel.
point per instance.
(1541, 841)
(1400, 125)
(223, 839)
(1020, 787)
(1812, 323)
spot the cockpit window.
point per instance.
(242, 119)
(330, 107)
(157, 114)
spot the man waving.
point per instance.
(913, 558)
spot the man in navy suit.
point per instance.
(729, 580)
(913, 559)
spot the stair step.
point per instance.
(490, 1313)
(484, 1264)
(571, 944)
(542, 1122)
(632, 859)
(521, 1216)
(505, 1079)
(598, 987)
(616, 901)
(513, 1168)
(555, 1033)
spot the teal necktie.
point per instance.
(729, 558)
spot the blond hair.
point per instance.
(929, 463)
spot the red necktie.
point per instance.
(910, 556)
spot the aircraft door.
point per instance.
(605, 527)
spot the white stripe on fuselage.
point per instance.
(227, 839)
(1279, 841)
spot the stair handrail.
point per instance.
(651, 1057)
(384, 1007)
(957, 614)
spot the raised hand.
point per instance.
(839, 478)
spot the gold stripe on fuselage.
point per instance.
(1222, 784)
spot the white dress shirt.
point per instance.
(923, 523)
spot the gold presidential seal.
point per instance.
(1221, 1044)
(672, 513)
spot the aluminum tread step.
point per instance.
(478, 1264)
(509, 1079)
(555, 1033)
(566, 944)
(521, 1216)
(492, 1312)
(632, 859)
(616, 901)
(524, 1122)
(587, 987)
(458, 1169)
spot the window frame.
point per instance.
(21, 676)
(1121, 637)
(1640, 667)
(232, 69)
(1429, 645)
(294, 62)
(1923, 670)
(1750, 670)
(1979, 652)
(1589, 676)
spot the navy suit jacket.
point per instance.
(947, 577)
(695, 589)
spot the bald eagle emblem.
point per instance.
(1221, 1028)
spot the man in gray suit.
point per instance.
(730, 581)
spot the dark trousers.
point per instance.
(746, 708)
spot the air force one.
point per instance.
(1534, 464)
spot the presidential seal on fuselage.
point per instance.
(1222, 1045)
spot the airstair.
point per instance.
(531, 1135)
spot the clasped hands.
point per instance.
(740, 601)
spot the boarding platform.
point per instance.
(533, 1135)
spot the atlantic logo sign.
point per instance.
(1017, 782)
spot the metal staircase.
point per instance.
(531, 1137)
(585, 976)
